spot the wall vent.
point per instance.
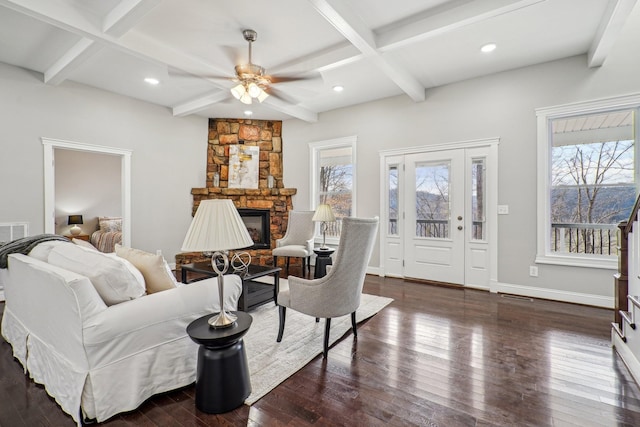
(13, 230)
(518, 297)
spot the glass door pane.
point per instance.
(432, 200)
(393, 200)
(478, 199)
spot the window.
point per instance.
(332, 180)
(590, 180)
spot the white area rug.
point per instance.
(270, 362)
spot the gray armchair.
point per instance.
(338, 293)
(297, 241)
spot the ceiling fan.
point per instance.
(252, 81)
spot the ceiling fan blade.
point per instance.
(295, 78)
(233, 54)
(179, 73)
(281, 95)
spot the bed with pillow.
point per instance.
(109, 234)
(104, 332)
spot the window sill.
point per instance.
(608, 262)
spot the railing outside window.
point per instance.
(334, 228)
(436, 228)
(597, 239)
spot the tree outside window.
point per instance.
(336, 184)
(592, 180)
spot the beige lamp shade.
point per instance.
(324, 214)
(216, 226)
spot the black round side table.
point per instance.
(222, 379)
(323, 258)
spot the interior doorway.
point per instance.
(440, 213)
(51, 146)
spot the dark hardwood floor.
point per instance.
(436, 356)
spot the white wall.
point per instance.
(500, 105)
(169, 153)
(87, 184)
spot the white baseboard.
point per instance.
(626, 355)
(556, 295)
(534, 292)
(374, 270)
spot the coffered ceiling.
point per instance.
(372, 48)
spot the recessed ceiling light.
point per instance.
(338, 88)
(489, 47)
(152, 81)
(248, 113)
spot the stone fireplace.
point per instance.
(277, 201)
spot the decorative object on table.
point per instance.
(270, 181)
(240, 261)
(324, 214)
(297, 242)
(338, 293)
(216, 179)
(75, 220)
(244, 163)
(217, 227)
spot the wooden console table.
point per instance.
(254, 293)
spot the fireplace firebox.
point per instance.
(258, 223)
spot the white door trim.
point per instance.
(492, 196)
(49, 145)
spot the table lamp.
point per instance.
(217, 227)
(323, 214)
(75, 220)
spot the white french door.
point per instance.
(439, 213)
(434, 216)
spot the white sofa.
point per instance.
(98, 360)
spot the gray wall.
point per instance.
(500, 105)
(169, 153)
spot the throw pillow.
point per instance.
(132, 269)
(152, 267)
(113, 281)
(108, 224)
(41, 251)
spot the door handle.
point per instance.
(459, 218)
(459, 227)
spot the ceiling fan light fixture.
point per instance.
(254, 90)
(238, 91)
(263, 95)
(246, 98)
